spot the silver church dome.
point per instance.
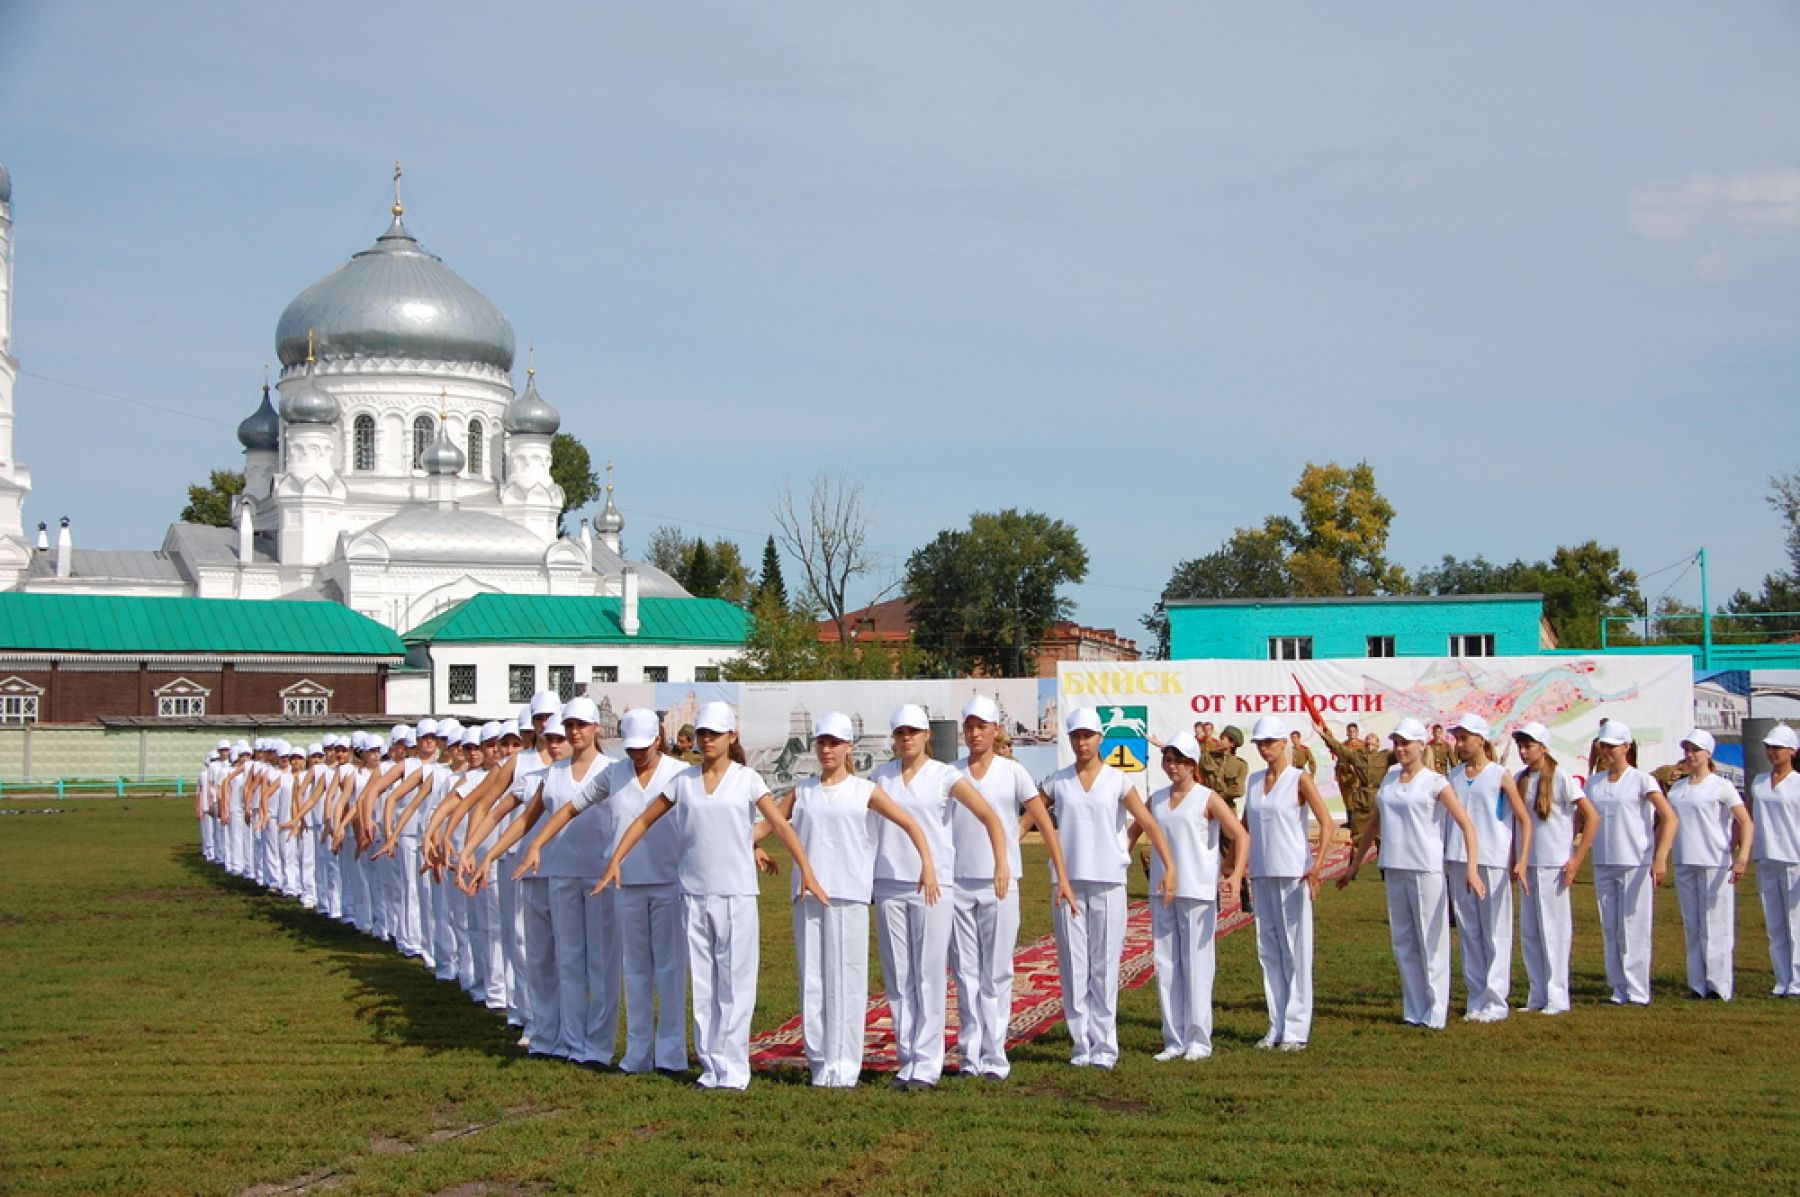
(309, 403)
(441, 457)
(261, 429)
(611, 518)
(395, 300)
(5, 185)
(529, 413)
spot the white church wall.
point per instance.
(493, 664)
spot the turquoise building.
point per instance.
(1301, 629)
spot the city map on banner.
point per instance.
(1143, 704)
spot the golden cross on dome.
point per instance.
(309, 346)
(530, 361)
(398, 206)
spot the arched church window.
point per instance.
(364, 438)
(475, 431)
(424, 431)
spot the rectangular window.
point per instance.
(1290, 648)
(562, 680)
(604, 673)
(1381, 646)
(656, 673)
(521, 682)
(19, 708)
(706, 673)
(1472, 644)
(462, 683)
(181, 706)
(305, 706)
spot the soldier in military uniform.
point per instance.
(684, 745)
(1369, 765)
(1443, 752)
(1224, 772)
(1300, 756)
(1668, 775)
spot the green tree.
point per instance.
(783, 645)
(211, 504)
(984, 597)
(1252, 564)
(769, 583)
(701, 578)
(1581, 584)
(705, 569)
(571, 469)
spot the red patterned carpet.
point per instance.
(1037, 992)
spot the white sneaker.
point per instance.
(1198, 1051)
(1080, 1061)
(1168, 1053)
(1291, 1046)
(1268, 1041)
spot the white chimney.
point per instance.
(43, 541)
(628, 615)
(65, 550)
(246, 533)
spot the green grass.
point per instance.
(164, 1029)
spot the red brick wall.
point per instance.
(81, 696)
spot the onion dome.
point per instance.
(309, 403)
(395, 300)
(611, 519)
(441, 458)
(529, 414)
(261, 430)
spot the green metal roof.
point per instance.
(553, 619)
(96, 623)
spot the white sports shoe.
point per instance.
(1168, 1053)
(1268, 1041)
(1198, 1051)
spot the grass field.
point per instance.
(166, 1029)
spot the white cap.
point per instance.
(356, 740)
(490, 730)
(1269, 727)
(316, 748)
(1702, 740)
(640, 728)
(471, 737)
(910, 715)
(292, 750)
(240, 748)
(399, 731)
(1535, 732)
(427, 727)
(835, 724)
(410, 739)
(509, 728)
(582, 710)
(1082, 719)
(1186, 745)
(1472, 723)
(553, 727)
(1614, 732)
(545, 702)
(1782, 736)
(1409, 729)
(224, 744)
(715, 716)
(449, 729)
(523, 718)
(983, 708)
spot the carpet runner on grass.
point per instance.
(1037, 991)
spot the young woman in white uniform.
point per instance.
(716, 804)
(1501, 846)
(1775, 796)
(1412, 814)
(837, 817)
(543, 1008)
(1277, 802)
(1563, 827)
(914, 936)
(1191, 817)
(1707, 868)
(985, 926)
(1628, 862)
(1092, 803)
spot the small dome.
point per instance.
(442, 458)
(611, 520)
(261, 430)
(529, 414)
(309, 403)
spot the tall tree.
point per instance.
(829, 537)
(573, 470)
(211, 504)
(784, 645)
(984, 597)
(701, 578)
(705, 569)
(669, 550)
(1581, 584)
(769, 583)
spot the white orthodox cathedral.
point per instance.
(397, 471)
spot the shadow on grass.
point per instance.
(402, 998)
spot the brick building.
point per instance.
(890, 624)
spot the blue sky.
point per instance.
(1131, 265)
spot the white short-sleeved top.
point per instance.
(1777, 816)
(1552, 837)
(315, 780)
(838, 831)
(1193, 842)
(584, 845)
(1007, 786)
(1626, 817)
(1415, 827)
(1703, 834)
(1484, 798)
(282, 804)
(1091, 822)
(1277, 821)
(656, 859)
(465, 785)
(717, 854)
(927, 799)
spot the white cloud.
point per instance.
(1705, 205)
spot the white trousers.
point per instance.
(331, 878)
(648, 919)
(489, 945)
(1089, 946)
(424, 899)
(724, 946)
(403, 897)
(1484, 928)
(915, 958)
(206, 837)
(1546, 935)
(1284, 946)
(1778, 884)
(1624, 895)
(384, 883)
(462, 959)
(358, 905)
(306, 861)
(288, 849)
(543, 1025)
(512, 939)
(1419, 929)
(832, 946)
(443, 920)
(984, 934)
(588, 965)
(1709, 924)
(1182, 946)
